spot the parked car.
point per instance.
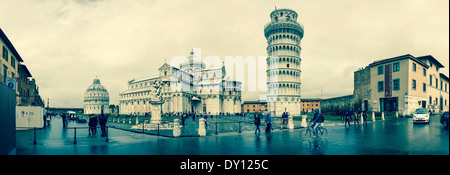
(444, 120)
(421, 116)
(81, 119)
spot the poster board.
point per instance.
(29, 116)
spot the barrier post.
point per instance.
(34, 142)
(216, 128)
(158, 129)
(75, 136)
(239, 127)
(106, 129)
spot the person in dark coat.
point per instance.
(183, 118)
(64, 120)
(257, 122)
(102, 122)
(365, 117)
(316, 121)
(93, 125)
(269, 123)
(205, 116)
(356, 115)
(348, 117)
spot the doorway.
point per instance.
(389, 104)
(366, 105)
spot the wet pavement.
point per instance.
(390, 137)
(219, 125)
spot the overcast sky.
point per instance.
(67, 43)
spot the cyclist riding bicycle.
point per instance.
(316, 121)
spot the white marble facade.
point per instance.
(96, 99)
(191, 87)
(284, 35)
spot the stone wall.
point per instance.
(337, 104)
(362, 87)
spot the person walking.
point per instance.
(183, 118)
(268, 123)
(64, 119)
(257, 122)
(347, 118)
(365, 117)
(93, 125)
(48, 119)
(102, 122)
(205, 116)
(355, 120)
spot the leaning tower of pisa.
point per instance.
(283, 34)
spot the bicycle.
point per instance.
(306, 133)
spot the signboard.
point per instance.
(11, 83)
(28, 117)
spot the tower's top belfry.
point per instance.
(283, 15)
(283, 19)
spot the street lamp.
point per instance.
(321, 97)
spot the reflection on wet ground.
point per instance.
(390, 137)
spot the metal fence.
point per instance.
(215, 124)
(84, 127)
(75, 132)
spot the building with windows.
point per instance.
(309, 104)
(254, 106)
(16, 75)
(9, 63)
(24, 87)
(191, 87)
(404, 84)
(284, 35)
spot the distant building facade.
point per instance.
(56, 110)
(254, 106)
(403, 84)
(309, 104)
(9, 63)
(13, 71)
(24, 86)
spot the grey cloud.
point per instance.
(65, 44)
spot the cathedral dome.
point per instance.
(96, 99)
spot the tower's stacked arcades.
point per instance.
(284, 35)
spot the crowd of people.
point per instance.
(93, 122)
(355, 116)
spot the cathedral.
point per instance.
(189, 87)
